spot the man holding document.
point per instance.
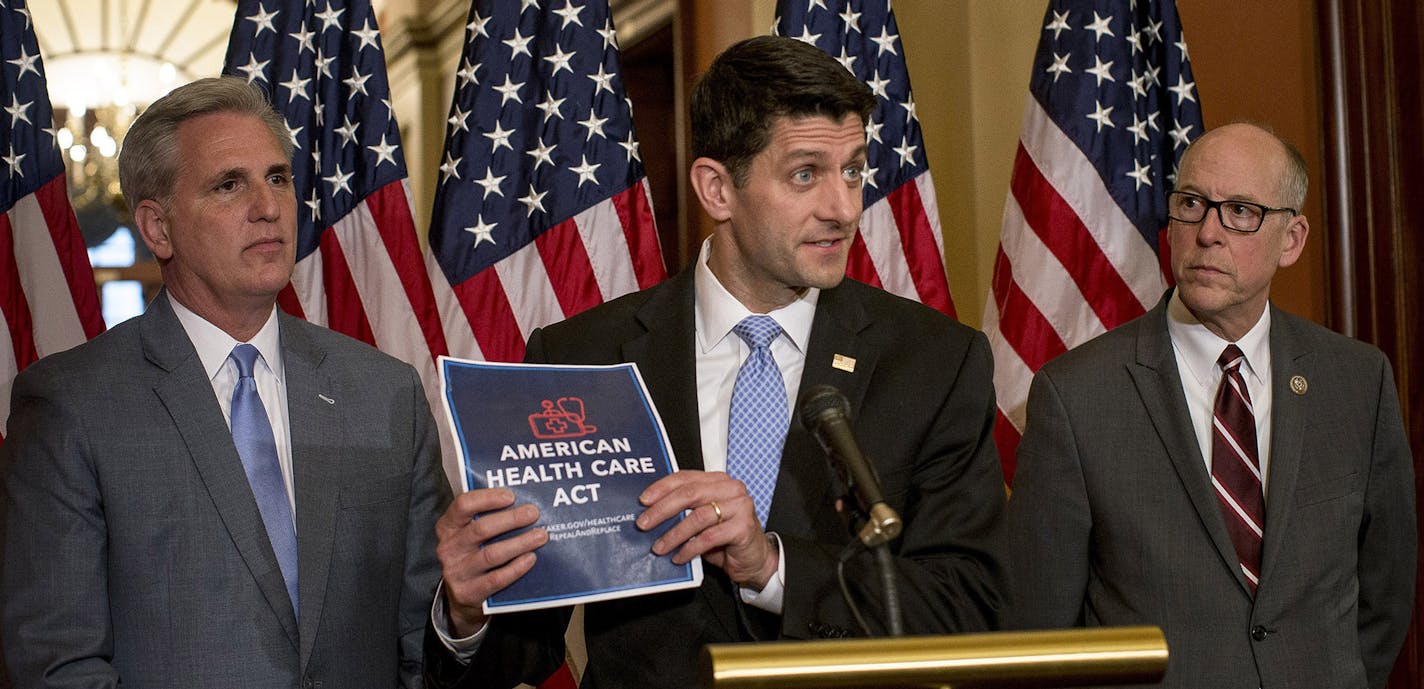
(726, 349)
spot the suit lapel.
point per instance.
(1160, 386)
(187, 394)
(666, 358)
(315, 429)
(803, 479)
(1289, 358)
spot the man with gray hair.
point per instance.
(217, 494)
(1217, 467)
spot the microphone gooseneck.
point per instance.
(825, 413)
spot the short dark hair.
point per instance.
(148, 162)
(759, 79)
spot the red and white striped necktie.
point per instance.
(1236, 466)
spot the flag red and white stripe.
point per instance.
(601, 253)
(367, 280)
(49, 301)
(900, 247)
(360, 270)
(47, 296)
(1111, 108)
(1070, 266)
(560, 221)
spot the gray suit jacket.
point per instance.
(1114, 520)
(133, 550)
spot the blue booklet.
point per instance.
(580, 443)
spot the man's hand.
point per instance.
(722, 527)
(474, 568)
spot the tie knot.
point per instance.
(757, 331)
(244, 355)
(1230, 358)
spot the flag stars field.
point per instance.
(567, 218)
(359, 267)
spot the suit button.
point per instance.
(1259, 633)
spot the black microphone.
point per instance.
(825, 412)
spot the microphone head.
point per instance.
(820, 403)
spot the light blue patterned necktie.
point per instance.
(756, 428)
(252, 433)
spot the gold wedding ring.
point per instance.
(718, 511)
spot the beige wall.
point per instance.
(970, 62)
(1273, 79)
(969, 66)
(423, 40)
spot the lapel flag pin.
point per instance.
(844, 363)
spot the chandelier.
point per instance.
(96, 96)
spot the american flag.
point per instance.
(47, 295)
(1111, 107)
(900, 246)
(541, 209)
(359, 266)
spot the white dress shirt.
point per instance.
(214, 347)
(1197, 349)
(720, 354)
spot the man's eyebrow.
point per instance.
(1197, 191)
(801, 153)
(226, 173)
(239, 171)
(819, 154)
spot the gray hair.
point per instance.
(1294, 181)
(148, 162)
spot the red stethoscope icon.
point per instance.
(561, 419)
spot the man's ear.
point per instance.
(713, 184)
(152, 222)
(1293, 243)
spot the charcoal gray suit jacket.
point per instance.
(133, 550)
(1114, 520)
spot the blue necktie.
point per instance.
(756, 429)
(252, 433)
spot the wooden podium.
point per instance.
(1024, 660)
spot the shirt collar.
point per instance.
(717, 311)
(214, 344)
(1200, 347)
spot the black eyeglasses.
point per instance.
(1241, 216)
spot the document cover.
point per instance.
(580, 443)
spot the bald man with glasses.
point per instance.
(1217, 467)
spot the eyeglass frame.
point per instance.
(1210, 204)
